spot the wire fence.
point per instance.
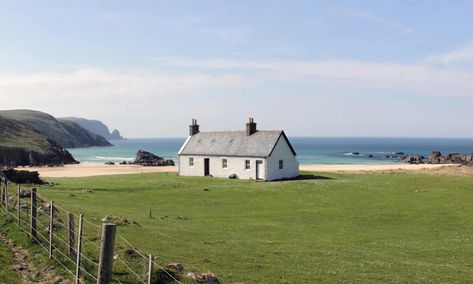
(74, 242)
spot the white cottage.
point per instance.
(251, 154)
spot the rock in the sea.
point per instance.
(145, 158)
(436, 157)
(109, 163)
(414, 159)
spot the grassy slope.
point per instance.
(19, 135)
(67, 134)
(7, 273)
(339, 228)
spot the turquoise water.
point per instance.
(310, 150)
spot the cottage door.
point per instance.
(206, 167)
(259, 170)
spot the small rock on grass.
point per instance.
(175, 266)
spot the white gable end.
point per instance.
(290, 166)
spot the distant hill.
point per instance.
(66, 133)
(22, 145)
(95, 126)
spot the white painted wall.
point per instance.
(282, 151)
(235, 165)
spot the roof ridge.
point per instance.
(264, 130)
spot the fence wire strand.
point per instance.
(41, 245)
(43, 199)
(159, 266)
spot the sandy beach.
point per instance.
(366, 168)
(89, 169)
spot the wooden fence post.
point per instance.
(150, 269)
(51, 226)
(6, 196)
(79, 249)
(3, 193)
(107, 244)
(19, 206)
(70, 225)
(33, 233)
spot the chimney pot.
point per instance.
(250, 127)
(193, 128)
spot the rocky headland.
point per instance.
(96, 127)
(22, 145)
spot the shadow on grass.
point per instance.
(308, 177)
(311, 177)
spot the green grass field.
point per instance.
(322, 228)
(7, 273)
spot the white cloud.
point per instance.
(86, 84)
(409, 78)
(463, 55)
(216, 88)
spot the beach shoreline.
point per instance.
(92, 169)
(372, 167)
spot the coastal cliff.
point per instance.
(94, 126)
(22, 145)
(65, 133)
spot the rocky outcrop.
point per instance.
(115, 135)
(22, 177)
(436, 157)
(145, 158)
(419, 159)
(53, 156)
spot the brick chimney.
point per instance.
(250, 127)
(193, 128)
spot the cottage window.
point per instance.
(247, 164)
(224, 163)
(281, 164)
(191, 162)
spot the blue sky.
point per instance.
(313, 68)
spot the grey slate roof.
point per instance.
(233, 143)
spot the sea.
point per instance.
(310, 150)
